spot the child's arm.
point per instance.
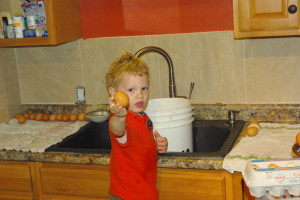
(117, 123)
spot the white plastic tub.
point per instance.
(164, 104)
(173, 124)
(164, 113)
(179, 138)
(170, 118)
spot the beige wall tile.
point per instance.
(214, 61)
(10, 91)
(50, 74)
(3, 104)
(224, 70)
(273, 70)
(98, 54)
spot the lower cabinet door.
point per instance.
(15, 181)
(178, 184)
(73, 181)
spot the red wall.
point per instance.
(107, 18)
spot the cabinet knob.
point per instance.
(292, 9)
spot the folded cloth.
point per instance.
(35, 136)
(273, 141)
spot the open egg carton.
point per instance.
(273, 178)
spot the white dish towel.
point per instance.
(274, 140)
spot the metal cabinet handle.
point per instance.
(292, 9)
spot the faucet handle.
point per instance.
(232, 115)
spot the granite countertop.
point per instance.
(103, 159)
(270, 113)
(100, 159)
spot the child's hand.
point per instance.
(116, 109)
(161, 142)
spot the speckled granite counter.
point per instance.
(246, 112)
(98, 159)
(260, 112)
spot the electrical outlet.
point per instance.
(80, 94)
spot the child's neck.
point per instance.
(139, 113)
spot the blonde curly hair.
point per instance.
(127, 63)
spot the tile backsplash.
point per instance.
(228, 71)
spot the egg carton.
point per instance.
(285, 196)
(285, 176)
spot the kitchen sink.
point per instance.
(91, 138)
(211, 139)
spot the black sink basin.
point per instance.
(91, 138)
(211, 139)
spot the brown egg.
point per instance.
(252, 131)
(81, 116)
(298, 139)
(59, 117)
(18, 115)
(22, 119)
(39, 116)
(121, 98)
(254, 123)
(26, 115)
(46, 117)
(32, 116)
(52, 117)
(65, 117)
(255, 166)
(272, 165)
(73, 117)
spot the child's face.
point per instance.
(136, 87)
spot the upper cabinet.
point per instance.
(63, 24)
(265, 18)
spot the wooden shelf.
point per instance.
(63, 24)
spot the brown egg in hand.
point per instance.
(121, 98)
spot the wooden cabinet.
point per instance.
(72, 181)
(63, 24)
(262, 18)
(15, 181)
(194, 184)
(55, 181)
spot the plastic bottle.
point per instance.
(18, 24)
(10, 29)
(31, 24)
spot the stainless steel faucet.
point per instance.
(172, 87)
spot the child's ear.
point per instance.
(111, 91)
